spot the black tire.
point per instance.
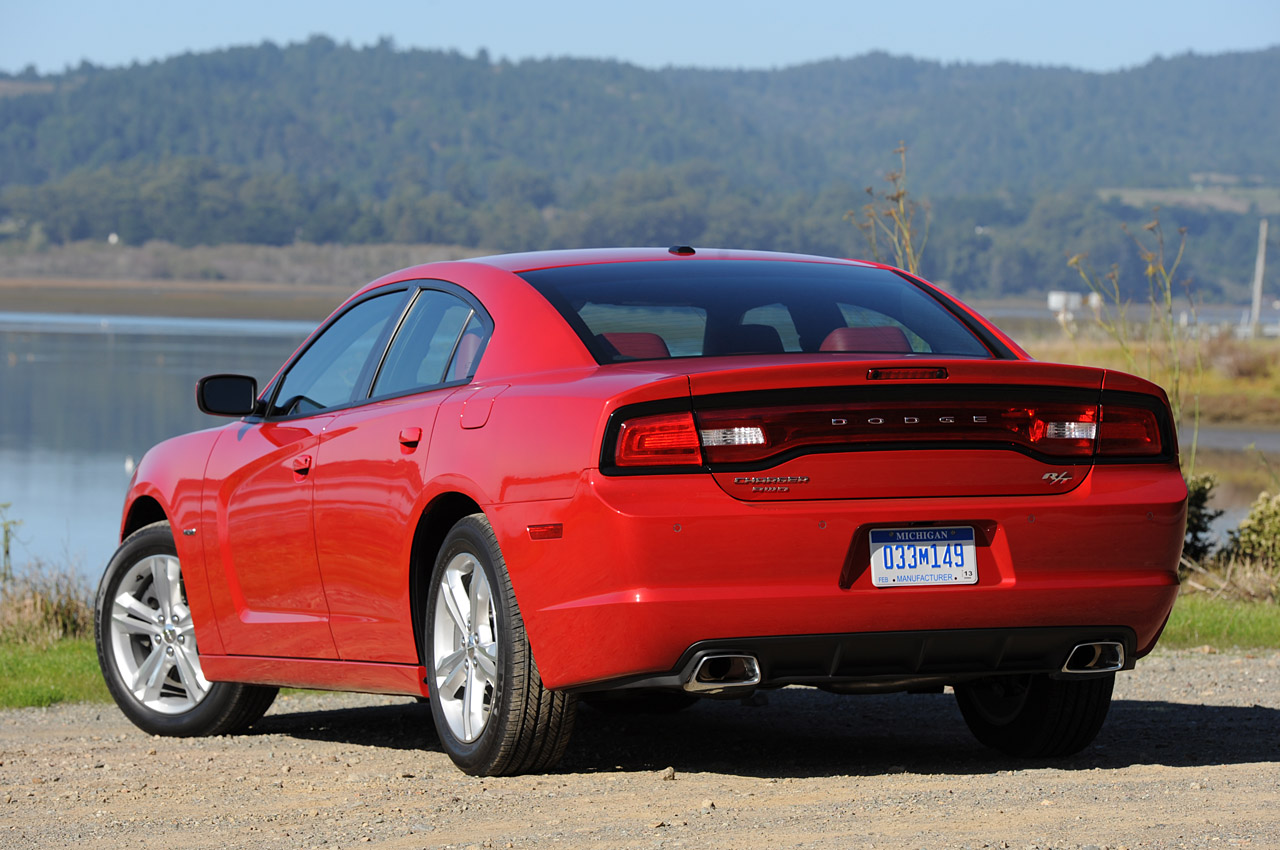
(182, 703)
(522, 726)
(629, 703)
(1035, 716)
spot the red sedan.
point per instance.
(643, 477)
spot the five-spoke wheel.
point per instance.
(147, 646)
(465, 647)
(153, 643)
(491, 710)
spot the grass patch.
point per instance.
(1199, 619)
(41, 675)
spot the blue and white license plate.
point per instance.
(907, 557)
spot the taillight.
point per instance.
(666, 439)
(1129, 431)
(1065, 430)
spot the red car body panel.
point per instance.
(306, 576)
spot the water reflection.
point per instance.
(81, 395)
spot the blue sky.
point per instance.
(1096, 35)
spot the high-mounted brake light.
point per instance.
(666, 439)
(1132, 431)
(930, 374)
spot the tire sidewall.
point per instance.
(468, 537)
(155, 539)
(1055, 718)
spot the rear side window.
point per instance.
(428, 340)
(708, 308)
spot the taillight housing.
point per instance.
(757, 430)
(664, 439)
(1129, 432)
(1061, 430)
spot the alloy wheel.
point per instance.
(465, 647)
(153, 641)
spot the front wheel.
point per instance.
(491, 711)
(1035, 716)
(147, 650)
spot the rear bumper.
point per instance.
(651, 567)
(871, 662)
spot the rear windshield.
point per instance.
(711, 308)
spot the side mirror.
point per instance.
(227, 395)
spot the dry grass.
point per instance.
(1232, 579)
(1240, 384)
(43, 605)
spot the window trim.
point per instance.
(363, 388)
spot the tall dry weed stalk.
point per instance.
(1166, 351)
(888, 220)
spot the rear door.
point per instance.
(371, 475)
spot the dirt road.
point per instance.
(1189, 757)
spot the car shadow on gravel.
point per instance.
(807, 733)
(401, 726)
(802, 732)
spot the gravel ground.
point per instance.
(1189, 757)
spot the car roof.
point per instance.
(534, 260)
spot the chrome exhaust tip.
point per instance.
(716, 674)
(1106, 656)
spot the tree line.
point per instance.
(320, 142)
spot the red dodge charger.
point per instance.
(640, 478)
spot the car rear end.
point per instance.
(896, 499)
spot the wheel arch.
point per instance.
(440, 515)
(144, 511)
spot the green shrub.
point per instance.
(1257, 540)
(1199, 540)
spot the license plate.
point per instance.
(906, 557)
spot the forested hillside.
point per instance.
(326, 143)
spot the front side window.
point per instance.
(328, 373)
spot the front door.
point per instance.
(261, 556)
(265, 557)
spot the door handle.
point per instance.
(410, 437)
(301, 466)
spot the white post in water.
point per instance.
(1255, 314)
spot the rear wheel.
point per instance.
(492, 713)
(1035, 716)
(147, 646)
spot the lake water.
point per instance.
(82, 397)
